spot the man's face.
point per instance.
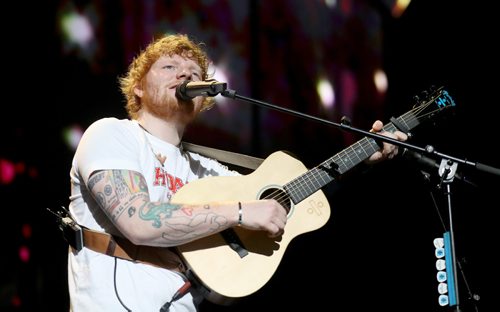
(160, 85)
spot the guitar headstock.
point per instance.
(432, 102)
(427, 106)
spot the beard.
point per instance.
(167, 107)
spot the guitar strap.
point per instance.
(232, 158)
(79, 236)
(119, 247)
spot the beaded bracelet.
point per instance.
(240, 214)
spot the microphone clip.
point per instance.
(447, 170)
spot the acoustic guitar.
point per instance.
(237, 262)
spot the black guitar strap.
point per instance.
(232, 158)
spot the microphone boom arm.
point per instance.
(429, 150)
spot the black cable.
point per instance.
(116, 290)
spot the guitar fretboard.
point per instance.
(314, 179)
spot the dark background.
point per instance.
(376, 252)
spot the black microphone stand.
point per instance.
(447, 169)
(429, 150)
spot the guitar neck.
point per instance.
(314, 179)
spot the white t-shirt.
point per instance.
(110, 143)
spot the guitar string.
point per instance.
(281, 196)
(406, 118)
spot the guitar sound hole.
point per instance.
(279, 195)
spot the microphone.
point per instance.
(429, 163)
(420, 159)
(191, 89)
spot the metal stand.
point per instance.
(447, 171)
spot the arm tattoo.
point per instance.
(95, 178)
(181, 227)
(182, 231)
(121, 192)
(155, 211)
(121, 189)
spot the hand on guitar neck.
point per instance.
(388, 151)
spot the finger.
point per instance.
(401, 136)
(376, 156)
(280, 223)
(396, 151)
(276, 231)
(377, 126)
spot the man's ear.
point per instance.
(138, 91)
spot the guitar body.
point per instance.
(220, 269)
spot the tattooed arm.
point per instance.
(123, 195)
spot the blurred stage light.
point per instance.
(24, 254)
(399, 7)
(77, 29)
(326, 93)
(380, 80)
(7, 171)
(220, 74)
(72, 135)
(26, 231)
